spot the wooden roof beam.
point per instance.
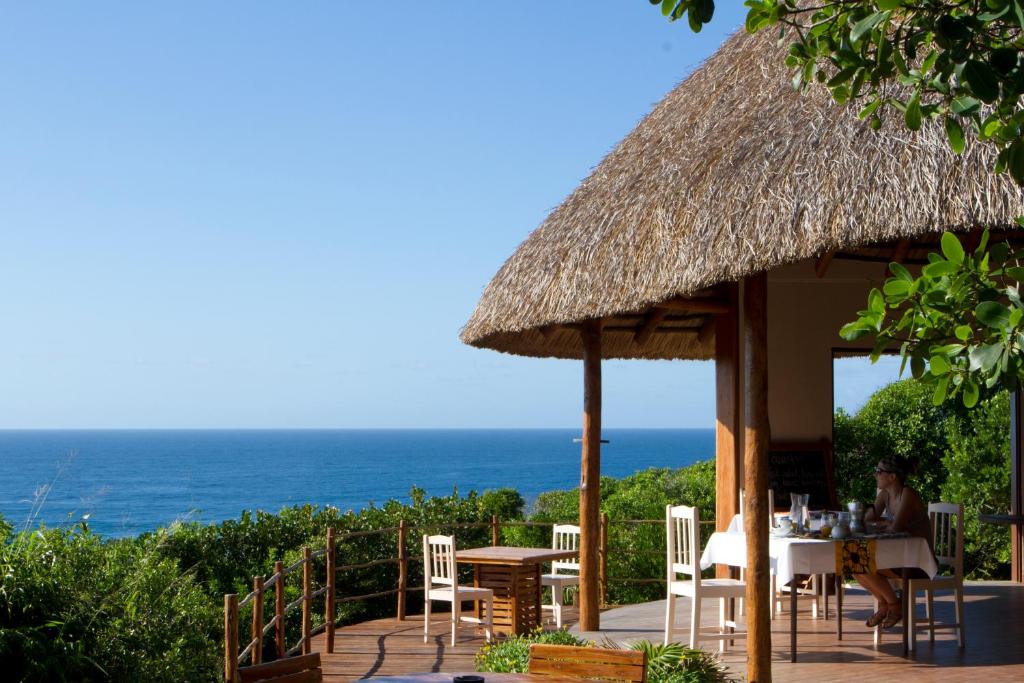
(646, 329)
(821, 265)
(707, 330)
(695, 305)
(899, 254)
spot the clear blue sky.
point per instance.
(260, 214)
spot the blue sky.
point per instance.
(265, 215)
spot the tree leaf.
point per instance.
(1016, 272)
(955, 134)
(912, 115)
(951, 248)
(938, 365)
(982, 80)
(940, 391)
(964, 105)
(963, 332)
(970, 393)
(896, 288)
(992, 314)
(900, 271)
(867, 24)
(939, 268)
(984, 357)
(916, 366)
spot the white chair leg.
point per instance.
(455, 619)
(723, 643)
(426, 620)
(772, 588)
(556, 602)
(958, 595)
(814, 596)
(489, 626)
(878, 629)
(910, 594)
(694, 622)
(670, 615)
(930, 596)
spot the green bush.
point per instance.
(74, 607)
(978, 475)
(512, 654)
(898, 419)
(636, 550)
(665, 663)
(964, 458)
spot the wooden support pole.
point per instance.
(279, 609)
(604, 559)
(257, 619)
(332, 575)
(307, 600)
(495, 531)
(1016, 486)
(728, 422)
(403, 570)
(755, 517)
(590, 479)
(230, 638)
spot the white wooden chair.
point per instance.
(563, 537)
(683, 557)
(441, 582)
(948, 543)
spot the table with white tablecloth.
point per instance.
(791, 556)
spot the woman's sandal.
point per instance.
(895, 613)
(877, 618)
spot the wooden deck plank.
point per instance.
(995, 634)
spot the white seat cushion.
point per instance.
(465, 593)
(559, 580)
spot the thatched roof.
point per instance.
(733, 173)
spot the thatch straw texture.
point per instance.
(733, 173)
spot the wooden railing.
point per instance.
(253, 648)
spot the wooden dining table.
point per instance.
(793, 556)
(514, 576)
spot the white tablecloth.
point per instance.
(790, 556)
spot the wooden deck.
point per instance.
(995, 643)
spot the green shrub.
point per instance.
(512, 654)
(74, 607)
(636, 550)
(672, 663)
(978, 475)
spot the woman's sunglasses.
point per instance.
(879, 470)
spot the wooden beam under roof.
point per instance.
(695, 304)
(651, 321)
(707, 330)
(821, 265)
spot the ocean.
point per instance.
(131, 481)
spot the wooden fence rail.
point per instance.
(260, 628)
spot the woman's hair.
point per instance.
(900, 466)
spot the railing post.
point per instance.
(495, 530)
(230, 637)
(279, 609)
(329, 598)
(403, 570)
(307, 599)
(257, 619)
(603, 564)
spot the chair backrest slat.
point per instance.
(565, 537)
(439, 561)
(300, 669)
(948, 534)
(682, 523)
(588, 663)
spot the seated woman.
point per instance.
(897, 508)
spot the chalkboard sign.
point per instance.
(802, 468)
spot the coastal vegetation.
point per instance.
(672, 663)
(78, 606)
